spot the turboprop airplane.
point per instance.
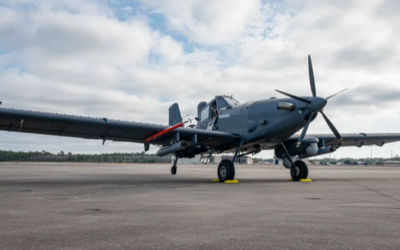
(223, 125)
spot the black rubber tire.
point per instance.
(226, 170)
(173, 170)
(299, 171)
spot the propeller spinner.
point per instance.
(315, 104)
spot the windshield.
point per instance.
(232, 101)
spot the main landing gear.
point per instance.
(174, 168)
(226, 169)
(299, 170)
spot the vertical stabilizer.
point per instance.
(174, 114)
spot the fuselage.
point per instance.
(261, 124)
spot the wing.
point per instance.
(103, 129)
(359, 140)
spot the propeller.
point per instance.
(303, 133)
(315, 104)
(293, 96)
(311, 74)
(336, 93)
(334, 130)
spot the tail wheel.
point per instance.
(299, 170)
(173, 170)
(226, 170)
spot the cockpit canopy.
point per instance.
(210, 110)
(228, 99)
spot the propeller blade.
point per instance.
(334, 130)
(336, 93)
(293, 96)
(311, 74)
(303, 133)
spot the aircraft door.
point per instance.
(211, 123)
(213, 115)
(209, 116)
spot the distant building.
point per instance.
(391, 163)
(278, 161)
(194, 160)
(243, 160)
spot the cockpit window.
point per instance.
(205, 113)
(232, 101)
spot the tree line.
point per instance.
(142, 157)
(44, 156)
(356, 161)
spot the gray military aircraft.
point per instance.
(223, 125)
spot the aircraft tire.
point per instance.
(299, 171)
(226, 170)
(173, 170)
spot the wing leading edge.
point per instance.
(103, 129)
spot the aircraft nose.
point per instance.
(317, 103)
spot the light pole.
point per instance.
(371, 156)
(391, 155)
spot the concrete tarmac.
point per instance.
(124, 206)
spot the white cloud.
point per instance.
(127, 8)
(208, 22)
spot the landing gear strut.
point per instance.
(174, 167)
(299, 170)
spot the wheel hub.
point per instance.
(222, 171)
(296, 171)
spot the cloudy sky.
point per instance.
(131, 60)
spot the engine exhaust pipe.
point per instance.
(173, 148)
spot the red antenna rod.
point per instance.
(152, 137)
